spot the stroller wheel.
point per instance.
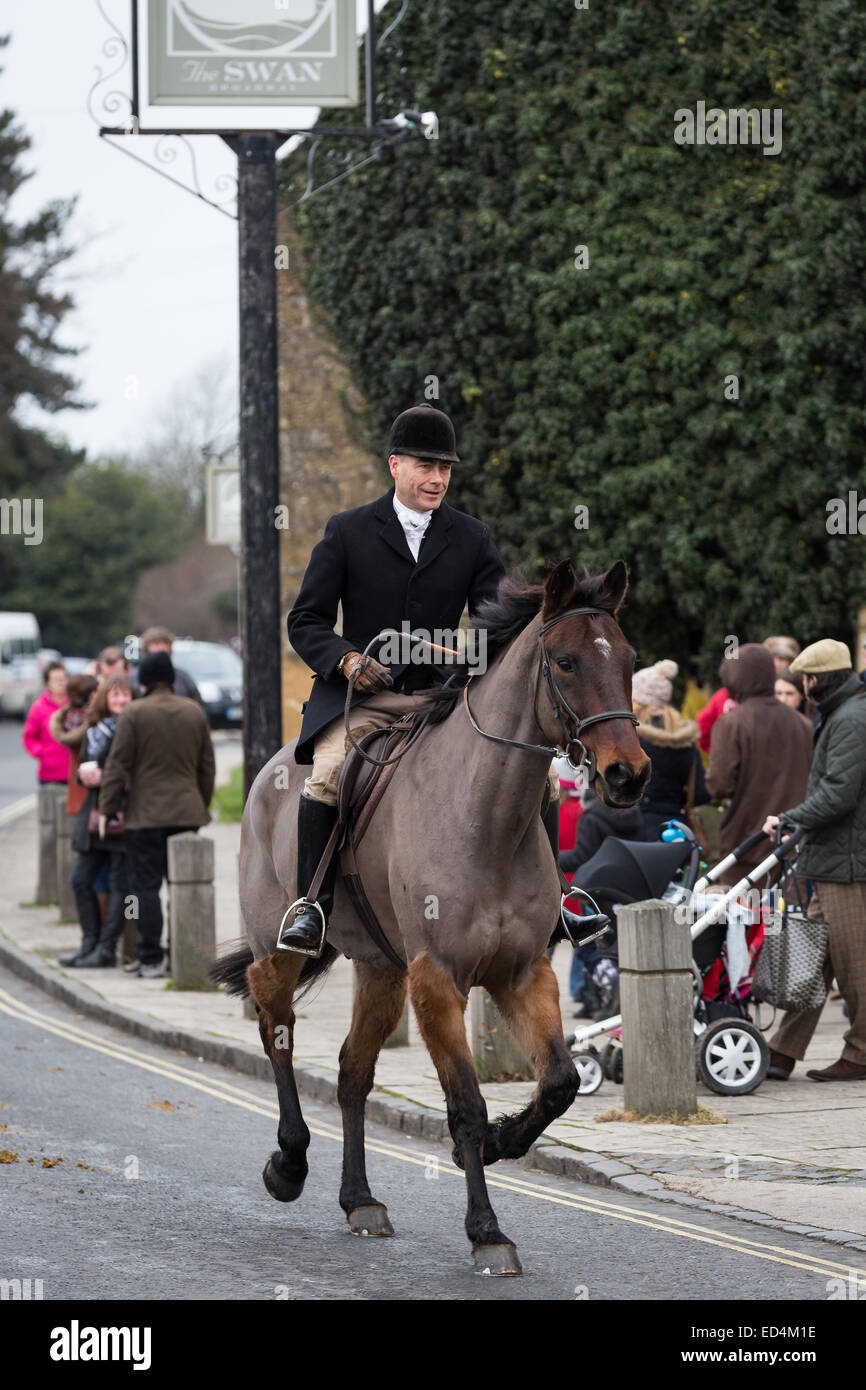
(733, 1057)
(590, 1072)
(611, 1060)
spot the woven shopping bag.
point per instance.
(790, 969)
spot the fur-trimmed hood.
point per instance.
(72, 738)
(688, 732)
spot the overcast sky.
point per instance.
(155, 280)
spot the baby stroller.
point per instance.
(629, 871)
(732, 1054)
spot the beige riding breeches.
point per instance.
(332, 745)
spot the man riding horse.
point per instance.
(408, 558)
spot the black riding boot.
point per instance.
(305, 934)
(91, 925)
(105, 949)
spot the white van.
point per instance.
(20, 674)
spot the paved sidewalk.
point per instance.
(791, 1155)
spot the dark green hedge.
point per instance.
(605, 387)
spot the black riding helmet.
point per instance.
(424, 433)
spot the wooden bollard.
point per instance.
(497, 1053)
(128, 941)
(65, 861)
(46, 887)
(249, 1007)
(400, 1035)
(658, 1036)
(191, 909)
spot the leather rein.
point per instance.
(561, 708)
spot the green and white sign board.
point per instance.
(248, 53)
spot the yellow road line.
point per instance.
(222, 1090)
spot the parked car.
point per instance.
(76, 665)
(20, 641)
(219, 674)
(22, 683)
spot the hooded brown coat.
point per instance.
(163, 759)
(760, 754)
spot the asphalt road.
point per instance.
(17, 768)
(157, 1194)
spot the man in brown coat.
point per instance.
(760, 754)
(161, 772)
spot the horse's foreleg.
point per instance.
(272, 984)
(533, 1014)
(379, 1000)
(439, 1008)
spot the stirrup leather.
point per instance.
(291, 912)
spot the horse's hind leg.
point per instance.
(379, 1000)
(533, 1014)
(439, 1008)
(272, 984)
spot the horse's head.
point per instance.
(589, 673)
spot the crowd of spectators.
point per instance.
(133, 748)
(782, 742)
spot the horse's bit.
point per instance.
(561, 708)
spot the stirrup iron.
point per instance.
(288, 919)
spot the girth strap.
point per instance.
(361, 904)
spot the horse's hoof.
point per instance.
(496, 1259)
(370, 1221)
(283, 1189)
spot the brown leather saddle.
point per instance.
(361, 788)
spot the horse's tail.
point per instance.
(314, 970)
(230, 970)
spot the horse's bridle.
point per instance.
(561, 708)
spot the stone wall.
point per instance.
(324, 466)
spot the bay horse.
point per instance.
(459, 827)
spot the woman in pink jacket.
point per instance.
(37, 739)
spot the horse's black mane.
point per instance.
(503, 618)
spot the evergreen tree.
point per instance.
(108, 524)
(31, 313)
(608, 385)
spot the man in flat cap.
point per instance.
(833, 815)
(408, 558)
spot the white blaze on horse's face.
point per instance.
(604, 647)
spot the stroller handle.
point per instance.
(748, 844)
(790, 842)
(782, 849)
